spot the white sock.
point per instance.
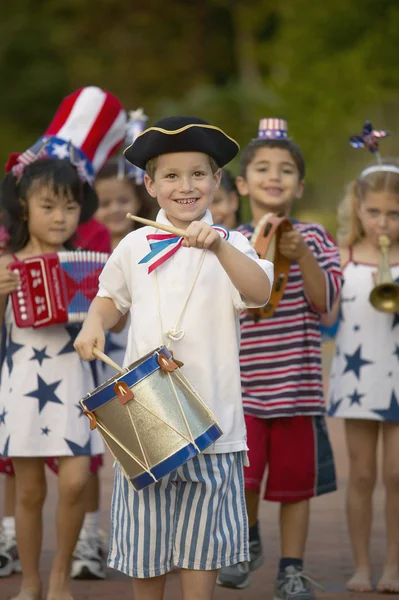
(8, 525)
(91, 525)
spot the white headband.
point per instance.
(377, 168)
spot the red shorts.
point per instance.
(7, 468)
(298, 454)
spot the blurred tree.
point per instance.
(326, 68)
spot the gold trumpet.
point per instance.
(385, 295)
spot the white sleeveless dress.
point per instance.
(364, 381)
(42, 381)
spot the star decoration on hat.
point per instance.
(355, 398)
(354, 362)
(369, 138)
(39, 355)
(45, 393)
(12, 348)
(80, 450)
(392, 412)
(60, 149)
(45, 430)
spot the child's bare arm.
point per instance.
(120, 326)
(102, 315)
(294, 247)
(246, 275)
(330, 318)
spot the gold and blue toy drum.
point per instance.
(151, 418)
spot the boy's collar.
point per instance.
(162, 218)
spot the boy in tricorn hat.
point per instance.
(188, 298)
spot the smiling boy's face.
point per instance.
(272, 180)
(184, 186)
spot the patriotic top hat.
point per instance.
(273, 129)
(87, 129)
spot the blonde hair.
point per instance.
(151, 166)
(350, 229)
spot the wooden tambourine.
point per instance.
(265, 241)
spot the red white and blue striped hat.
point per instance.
(86, 130)
(273, 129)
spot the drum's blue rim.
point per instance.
(178, 458)
(143, 369)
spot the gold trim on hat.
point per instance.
(175, 131)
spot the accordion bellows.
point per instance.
(56, 288)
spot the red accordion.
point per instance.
(56, 288)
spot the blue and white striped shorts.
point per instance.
(194, 518)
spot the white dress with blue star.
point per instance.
(42, 381)
(364, 382)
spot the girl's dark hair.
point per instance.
(228, 181)
(118, 168)
(249, 152)
(61, 176)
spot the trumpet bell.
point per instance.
(385, 297)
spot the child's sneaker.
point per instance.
(9, 559)
(237, 576)
(256, 554)
(294, 585)
(88, 560)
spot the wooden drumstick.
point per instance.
(168, 228)
(98, 354)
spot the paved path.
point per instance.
(328, 558)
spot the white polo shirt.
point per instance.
(210, 342)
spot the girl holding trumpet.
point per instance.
(364, 386)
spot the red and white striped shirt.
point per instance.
(280, 357)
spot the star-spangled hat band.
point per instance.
(182, 134)
(272, 129)
(86, 130)
(370, 139)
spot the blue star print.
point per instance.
(355, 397)
(354, 362)
(334, 405)
(73, 331)
(45, 393)
(39, 355)
(3, 417)
(80, 409)
(6, 447)
(396, 351)
(392, 412)
(395, 320)
(80, 450)
(12, 348)
(356, 327)
(45, 430)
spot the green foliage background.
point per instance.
(325, 67)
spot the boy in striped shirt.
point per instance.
(280, 362)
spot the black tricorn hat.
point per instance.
(181, 134)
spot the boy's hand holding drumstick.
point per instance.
(197, 235)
